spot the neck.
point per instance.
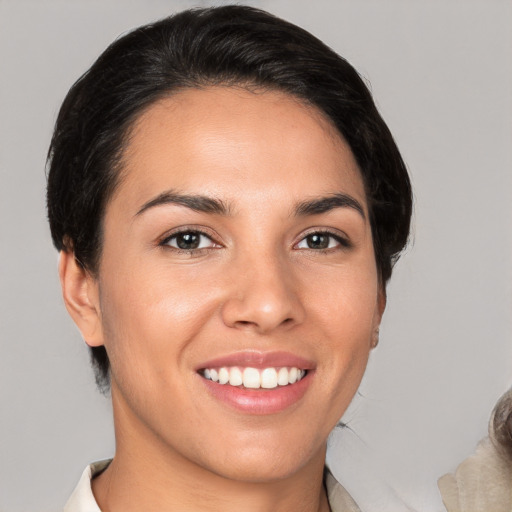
(122, 488)
(146, 474)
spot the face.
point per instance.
(237, 294)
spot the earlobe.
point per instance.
(81, 297)
(375, 338)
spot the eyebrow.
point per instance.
(328, 203)
(194, 202)
(207, 204)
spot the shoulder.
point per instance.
(482, 482)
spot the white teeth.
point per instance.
(252, 378)
(282, 376)
(235, 377)
(269, 378)
(223, 376)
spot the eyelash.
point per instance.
(342, 242)
(194, 251)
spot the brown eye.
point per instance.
(323, 240)
(189, 241)
(318, 241)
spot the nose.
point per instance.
(263, 296)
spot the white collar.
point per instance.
(82, 499)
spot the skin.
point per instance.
(254, 284)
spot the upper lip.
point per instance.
(260, 360)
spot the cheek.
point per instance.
(346, 316)
(345, 299)
(149, 318)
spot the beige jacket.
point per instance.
(482, 483)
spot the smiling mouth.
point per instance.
(254, 378)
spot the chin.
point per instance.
(263, 471)
(261, 464)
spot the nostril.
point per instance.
(244, 323)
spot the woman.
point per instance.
(228, 205)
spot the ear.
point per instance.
(381, 301)
(81, 297)
(381, 306)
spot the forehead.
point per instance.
(234, 142)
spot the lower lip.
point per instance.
(259, 401)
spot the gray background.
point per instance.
(441, 73)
